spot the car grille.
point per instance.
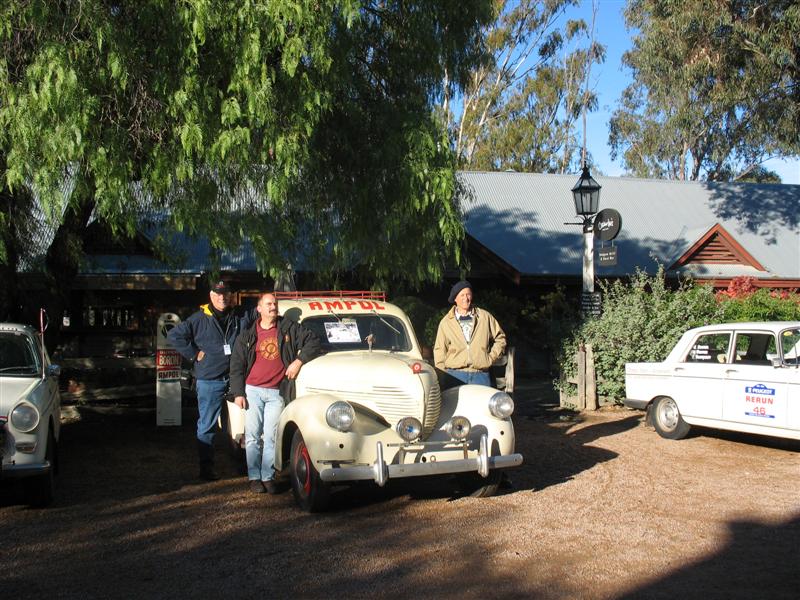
(394, 403)
(433, 406)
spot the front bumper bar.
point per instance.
(380, 472)
(14, 471)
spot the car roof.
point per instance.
(17, 328)
(770, 325)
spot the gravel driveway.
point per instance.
(602, 508)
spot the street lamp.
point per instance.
(586, 194)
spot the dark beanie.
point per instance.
(456, 289)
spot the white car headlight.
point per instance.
(501, 405)
(458, 427)
(25, 417)
(340, 415)
(409, 428)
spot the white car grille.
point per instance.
(394, 403)
(433, 406)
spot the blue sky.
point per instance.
(610, 78)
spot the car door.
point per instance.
(699, 379)
(755, 391)
(790, 352)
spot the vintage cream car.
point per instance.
(737, 376)
(371, 409)
(30, 412)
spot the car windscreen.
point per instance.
(355, 332)
(18, 355)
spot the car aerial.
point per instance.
(30, 413)
(736, 376)
(371, 409)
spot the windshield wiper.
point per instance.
(385, 322)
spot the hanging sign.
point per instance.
(168, 374)
(607, 257)
(607, 224)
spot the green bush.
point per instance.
(761, 305)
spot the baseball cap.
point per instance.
(220, 287)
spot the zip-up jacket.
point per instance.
(202, 331)
(294, 341)
(451, 350)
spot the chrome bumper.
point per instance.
(637, 404)
(380, 472)
(13, 471)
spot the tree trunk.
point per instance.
(64, 258)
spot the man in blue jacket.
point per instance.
(206, 338)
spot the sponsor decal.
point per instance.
(757, 397)
(346, 305)
(168, 365)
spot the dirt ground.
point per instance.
(602, 508)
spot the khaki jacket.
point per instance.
(451, 351)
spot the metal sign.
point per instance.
(607, 224)
(168, 374)
(607, 257)
(591, 303)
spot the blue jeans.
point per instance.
(476, 377)
(210, 396)
(264, 408)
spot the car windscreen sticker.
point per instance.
(342, 332)
(700, 352)
(759, 400)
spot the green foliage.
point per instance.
(714, 91)
(521, 105)
(761, 305)
(308, 128)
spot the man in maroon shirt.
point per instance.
(266, 359)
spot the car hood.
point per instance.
(12, 389)
(381, 381)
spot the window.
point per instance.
(351, 332)
(18, 356)
(755, 348)
(710, 348)
(790, 346)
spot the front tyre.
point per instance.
(475, 486)
(667, 419)
(310, 492)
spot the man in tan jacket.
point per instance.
(468, 340)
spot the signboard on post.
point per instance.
(591, 303)
(607, 224)
(607, 257)
(168, 374)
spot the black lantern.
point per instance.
(586, 194)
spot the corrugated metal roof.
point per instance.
(521, 216)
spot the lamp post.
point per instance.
(586, 194)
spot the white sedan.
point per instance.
(30, 411)
(736, 376)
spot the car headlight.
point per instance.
(458, 427)
(409, 428)
(24, 417)
(340, 415)
(501, 405)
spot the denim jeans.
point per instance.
(476, 377)
(210, 396)
(264, 408)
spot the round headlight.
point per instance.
(501, 405)
(340, 415)
(458, 428)
(25, 417)
(409, 428)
